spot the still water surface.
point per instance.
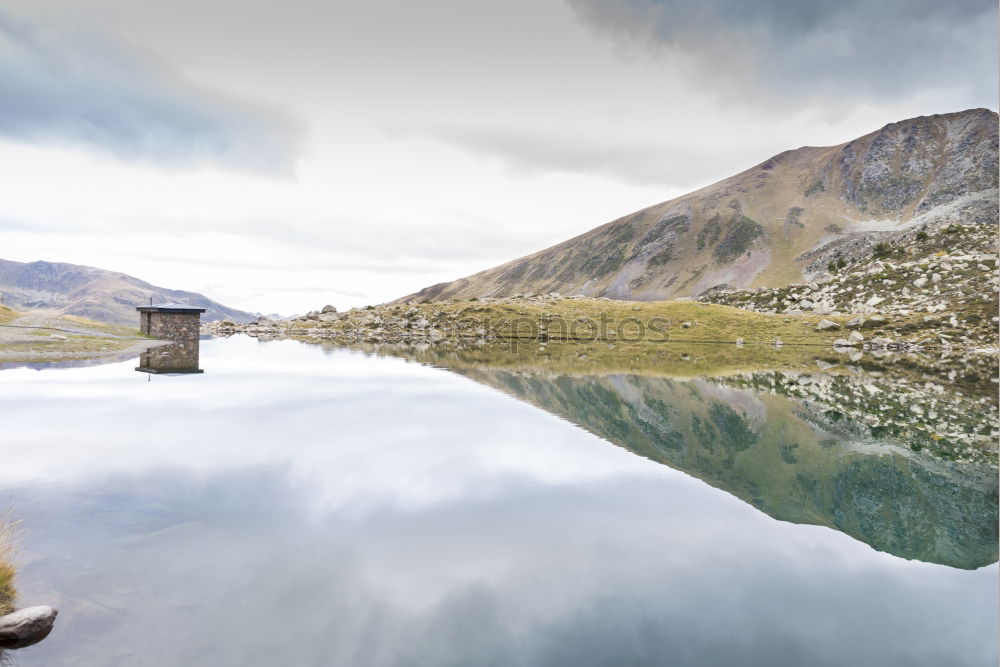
(301, 506)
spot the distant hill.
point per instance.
(765, 226)
(106, 296)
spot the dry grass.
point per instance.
(597, 320)
(74, 348)
(114, 329)
(8, 546)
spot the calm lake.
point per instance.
(305, 505)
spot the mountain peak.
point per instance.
(755, 228)
(87, 291)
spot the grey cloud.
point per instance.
(530, 152)
(83, 85)
(824, 49)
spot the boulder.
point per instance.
(855, 322)
(827, 325)
(26, 626)
(855, 337)
(842, 342)
(920, 282)
(328, 309)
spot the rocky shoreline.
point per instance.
(944, 278)
(552, 318)
(32, 338)
(934, 288)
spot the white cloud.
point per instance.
(442, 140)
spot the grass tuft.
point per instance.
(8, 541)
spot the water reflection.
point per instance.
(903, 466)
(175, 359)
(329, 507)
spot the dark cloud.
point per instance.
(83, 85)
(824, 48)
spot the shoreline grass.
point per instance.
(8, 569)
(571, 319)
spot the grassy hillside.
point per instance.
(752, 229)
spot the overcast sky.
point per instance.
(278, 156)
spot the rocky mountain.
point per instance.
(780, 222)
(106, 296)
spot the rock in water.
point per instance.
(26, 626)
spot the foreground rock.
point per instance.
(26, 626)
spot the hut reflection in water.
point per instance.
(175, 359)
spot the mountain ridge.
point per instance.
(758, 227)
(94, 293)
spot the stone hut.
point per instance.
(172, 321)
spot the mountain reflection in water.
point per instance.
(903, 465)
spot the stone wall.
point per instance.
(171, 326)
